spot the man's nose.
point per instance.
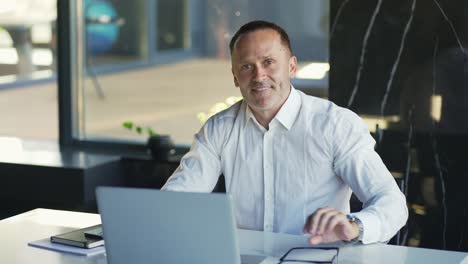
(259, 74)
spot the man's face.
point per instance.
(262, 67)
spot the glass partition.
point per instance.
(172, 25)
(27, 40)
(187, 76)
(27, 69)
(115, 33)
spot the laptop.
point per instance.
(152, 226)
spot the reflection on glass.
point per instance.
(188, 72)
(436, 107)
(114, 32)
(27, 42)
(374, 121)
(27, 56)
(172, 25)
(313, 70)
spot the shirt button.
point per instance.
(268, 197)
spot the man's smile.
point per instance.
(261, 87)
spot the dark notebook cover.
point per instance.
(77, 238)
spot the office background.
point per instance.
(73, 72)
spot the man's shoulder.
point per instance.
(323, 107)
(329, 117)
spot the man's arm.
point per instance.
(200, 168)
(330, 225)
(384, 205)
(355, 161)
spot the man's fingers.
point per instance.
(328, 225)
(334, 221)
(314, 240)
(317, 219)
(325, 219)
(307, 224)
(314, 220)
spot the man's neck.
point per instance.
(264, 117)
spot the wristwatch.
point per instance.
(353, 219)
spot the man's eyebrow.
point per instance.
(243, 62)
(267, 56)
(248, 61)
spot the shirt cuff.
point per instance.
(371, 232)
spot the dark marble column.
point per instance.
(407, 59)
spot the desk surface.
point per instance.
(17, 231)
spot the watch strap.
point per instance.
(354, 219)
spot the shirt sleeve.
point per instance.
(356, 162)
(200, 168)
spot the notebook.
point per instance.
(46, 244)
(152, 226)
(78, 238)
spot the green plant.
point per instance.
(139, 129)
(202, 117)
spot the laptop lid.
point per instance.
(152, 226)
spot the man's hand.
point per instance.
(329, 225)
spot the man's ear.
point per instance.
(292, 66)
(236, 83)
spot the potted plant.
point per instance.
(160, 146)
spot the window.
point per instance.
(186, 76)
(28, 90)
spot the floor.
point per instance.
(166, 98)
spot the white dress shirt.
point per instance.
(312, 155)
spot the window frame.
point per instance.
(70, 68)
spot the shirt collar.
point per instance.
(286, 115)
(290, 109)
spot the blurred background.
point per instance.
(160, 64)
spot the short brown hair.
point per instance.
(258, 25)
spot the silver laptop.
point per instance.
(151, 226)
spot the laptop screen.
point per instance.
(145, 225)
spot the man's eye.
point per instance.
(269, 62)
(246, 67)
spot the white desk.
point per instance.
(17, 231)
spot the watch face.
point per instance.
(351, 218)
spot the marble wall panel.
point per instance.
(406, 62)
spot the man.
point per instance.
(290, 159)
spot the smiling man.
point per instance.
(262, 66)
(290, 161)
